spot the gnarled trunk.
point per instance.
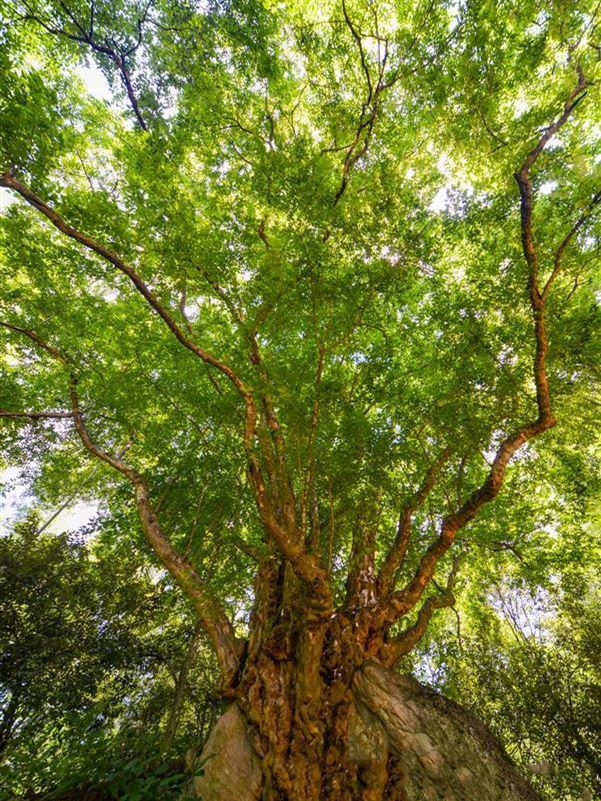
(384, 738)
(319, 715)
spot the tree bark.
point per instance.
(402, 742)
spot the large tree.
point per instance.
(302, 290)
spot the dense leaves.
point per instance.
(322, 197)
(93, 649)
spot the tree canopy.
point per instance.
(316, 283)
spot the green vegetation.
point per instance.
(306, 311)
(93, 646)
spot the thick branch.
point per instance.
(361, 581)
(397, 553)
(308, 482)
(301, 562)
(403, 601)
(304, 565)
(10, 182)
(280, 501)
(402, 645)
(211, 616)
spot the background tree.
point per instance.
(95, 662)
(303, 292)
(522, 652)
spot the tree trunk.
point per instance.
(387, 739)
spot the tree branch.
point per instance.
(281, 508)
(398, 551)
(10, 182)
(33, 416)
(370, 106)
(566, 241)
(404, 600)
(308, 482)
(402, 645)
(361, 581)
(85, 36)
(54, 352)
(213, 618)
(302, 563)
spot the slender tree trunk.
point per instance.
(7, 722)
(179, 695)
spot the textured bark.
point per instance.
(402, 742)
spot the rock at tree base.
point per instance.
(232, 771)
(445, 752)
